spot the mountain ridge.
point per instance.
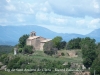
(10, 34)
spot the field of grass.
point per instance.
(34, 73)
(39, 55)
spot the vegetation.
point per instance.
(74, 43)
(62, 45)
(5, 49)
(96, 63)
(96, 66)
(22, 48)
(39, 60)
(88, 47)
(57, 41)
(62, 54)
(49, 48)
(4, 59)
(53, 56)
(22, 41)
(54, 45)
(27, 50)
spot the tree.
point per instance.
(57, 40)
(4, 59)
(74, 43)
(49, 48)
(95, 66)
(27, 50)
(22, 40)
(5, 49)
(62, 44)
(98, 49)
(13, 63)
(88, 47)
(96, 63)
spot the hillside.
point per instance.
(95, 34)
(10, 34)
(40, 59)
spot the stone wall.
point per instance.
(41, 45)
(28, 42)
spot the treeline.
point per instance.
(90, 50)
(5, 49)
(58, 43)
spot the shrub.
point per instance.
(49, 48)
(20, 50)
(13, 63)
(62, 54)
(27, 50)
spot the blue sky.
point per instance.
(62, 16)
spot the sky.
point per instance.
(62, 16)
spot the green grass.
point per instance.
(34, 73)
(13, 73)
(39, 55)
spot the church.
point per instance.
(36, 41)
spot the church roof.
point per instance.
(34, 37)
(46, 40)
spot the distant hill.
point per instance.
(9, 35)
(95, 34)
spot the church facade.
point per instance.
(36, 41)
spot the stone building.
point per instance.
(36, 41)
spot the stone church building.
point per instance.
(36, 41)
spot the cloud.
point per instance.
(41, 16)
(58, 20)
(95, 4)
(95, 21)
(3, 21)
(8, 1)
(60, 29)
(80, 22)
(80, 16)
(10, 8)
(79, 8)
(20, 18)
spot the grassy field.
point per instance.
(38, 56)
(34, 73)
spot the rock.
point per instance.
(3, 67)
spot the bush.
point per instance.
(22, 41)
(4, 59)
(27, 50)
(62, 54)
(71, 73)
(49, 48)
(57, 42)
(13, 63)
(74, 43)
(20, 50)
(88, 47)
(95, 66)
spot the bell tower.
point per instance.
(33, 33)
